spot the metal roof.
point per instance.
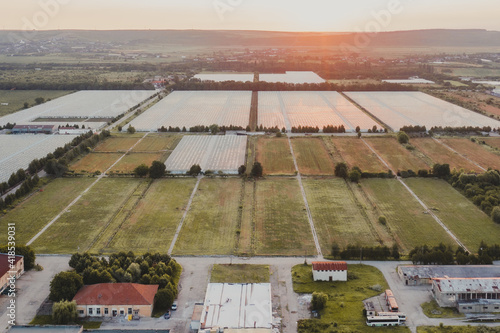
(468, 285)
(452, 271)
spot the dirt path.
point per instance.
(456, 152)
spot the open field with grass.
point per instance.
(17, 98)
(93, 162)
(152, 220)
(35, 212)
(79, 227)
(275, 156)
(246, 237)
(355, 153)
(439, 154)
(158, 142)
(345, 302)
(132, 160)
(397, 156)
(312, 156)
(115, 144)
(339, 217)
(241, 273)
(457, 329)
(474, 151)
(210, 225)
(433, 310)
(407, 221)
(459, 214)
(281, 224)
(493, 142)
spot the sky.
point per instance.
(275, 15)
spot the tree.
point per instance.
(382, 220)
(141, 170)
(257, 170)
(23, 250)
(214, 129)
(130, 129)
(64, 312)
(395, 251)
(26, 105)
(64, 286)
(242, 169)
(495, 214)
(55, 167)
(157, 170)
(318, 301)
(358, 129)
(195, 170)
(119, 128)
(403, 137)
(39, 100)
(354, 176)
(341, 170)
(164, 299)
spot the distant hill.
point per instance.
(221, 38)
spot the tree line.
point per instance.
(365, 252)
(445, 255)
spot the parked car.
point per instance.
(167, 315)
(174, 306)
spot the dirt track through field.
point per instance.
(456, 152)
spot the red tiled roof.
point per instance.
(4, 263)
(329, 266)
(116, 294)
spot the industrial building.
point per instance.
(329, 270)
(34, 129)
(415, 275)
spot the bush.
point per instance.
(64, 312)
(382, 220)
(130, 129)
(195, 170)
(257, 170)
(354, 176)
(341, 170)
(495, 214)
(318, 301)
(141, 170)
(64, 286)
(403, 137)
(157, 170)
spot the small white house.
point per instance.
(329, 270)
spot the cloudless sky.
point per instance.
(279, 15)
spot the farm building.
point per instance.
(329, 270)
(7, 273)
(415, 275)
(115, 299)
(216, 153)
(292, 78)
(237, 306)
(34, 129)
(456, 292)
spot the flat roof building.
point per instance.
(34, 129)
(450, 292)
(414, 275)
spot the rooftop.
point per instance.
(4, 263)
(452, 271)
(329, 265)
(116, 294)
(469, 285)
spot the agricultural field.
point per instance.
(275, 156)
(82, 104)
(398, 109)
(339, 217)
(211, 223)
(17, 98)
(78, 228)
(280, 219)
(312, 156)
(310, 108)
(439, 154)
(128, 163)
(474, 152)
(493, 142)
(474, 100)
(192, 108)
(157, 142)
(212, 152)
(152, 220)
(35, 212)
(292, 77)
(355, 153)
(460, 215)
(407, 221)
(240, 273)
(397, 156)
(93, 162)
(17, 151)
(116, 144)
(222, 77)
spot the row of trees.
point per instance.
(462, 130)
(28, 184)
(156, 170)
(445, 255)
(365, 252)
(413, 129)
(214, 129)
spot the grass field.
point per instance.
(246, 237)
(93, 162)
(34, 213)
(281, 224)
(433, 310)
(457, 329)
(493, 142)
(132, 160)
(397, 156)
(355, 153)
(115, 144)
(158, 142)
(17, 98)
(78, 228)
(339, 217)
(406, 219)
(210, 225)
(474, 151)
(275, 156)
(152, 220)
(312, 156)
(441, 155)
(459, 214)
(242, 273)
(345, 299)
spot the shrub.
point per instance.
(318, 301)
(382, 220)
(403, 137)
(495, 214)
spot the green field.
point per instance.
(240, 273)
(460, 215)
(355, 153)
(312, 156)
(151, 221)
(79, 227)
(457, 329)
(280, 218)
(246, 237)
(397, 156)
(115, 144)
(275, 156)
(339, 217)
(93, 162)
(34, 213)
(130, 161)
(157, 142)
(17, 98)
(407, 221)
(210, 225)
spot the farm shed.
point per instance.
(329, 270)
(34, 129)
(415, 275)
(449, 292)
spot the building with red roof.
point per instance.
(115, 299)
(11, 268)
(329, 270)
